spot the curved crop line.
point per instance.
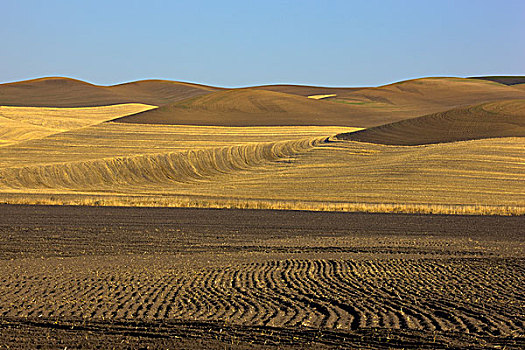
(153, 169)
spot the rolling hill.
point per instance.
(66, 92)
(427, 95)
(276, 104)
(251, 107)
(488, 120)
(365, 107)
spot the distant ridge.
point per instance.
(488, 120)
(363, 107)
(67, 92)
(279, 104)
(504, 79)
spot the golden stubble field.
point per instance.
(19, 124)
(262, 167)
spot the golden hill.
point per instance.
(488, 120)
(250, 107)
(25, 123)
(66, 92)
(342, 174)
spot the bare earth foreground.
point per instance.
(204, 278)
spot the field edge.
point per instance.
(253, 204)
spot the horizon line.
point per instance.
(257, 84)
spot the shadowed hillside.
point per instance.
(251, 107)
(489, 120)
(507, 80)
(65, 92)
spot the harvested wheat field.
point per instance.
(261, 168)
(26, 123)
(173, 215)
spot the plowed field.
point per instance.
(202, 278)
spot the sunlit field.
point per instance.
(285, 216)
(262, 167)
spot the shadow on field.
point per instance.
(49, 333)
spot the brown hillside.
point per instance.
(305, 90)
(489, 120)
(422, 96)
(410, 98)
(160, 92)
(429, 93)
(66, 92)
(414, 98)
(251, 107)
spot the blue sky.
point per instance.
(239, 43)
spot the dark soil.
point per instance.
(102, 277)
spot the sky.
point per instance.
(242, 43)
